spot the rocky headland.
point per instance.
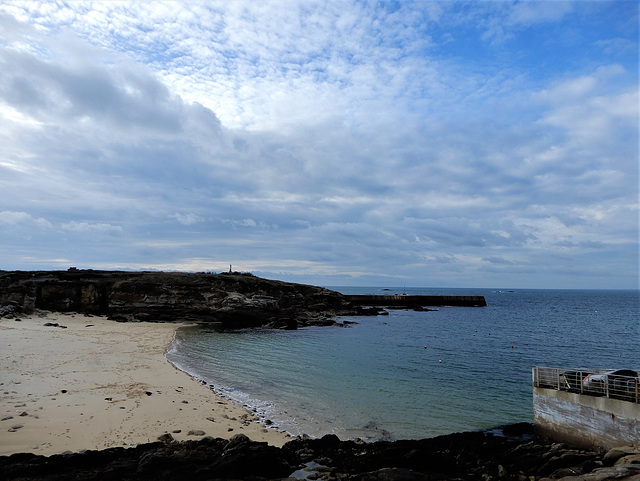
(230, 300)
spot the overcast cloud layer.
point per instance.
(431, 143)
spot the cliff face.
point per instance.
(232, 300)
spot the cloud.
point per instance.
(186, 219)
(497, 260)
(529, 13)
(92, 228)
(425, 142)
(9, 218)
(87, 94)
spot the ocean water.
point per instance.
(415, 374)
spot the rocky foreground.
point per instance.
(231, 300)
(466, 456)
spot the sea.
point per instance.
(414, 374)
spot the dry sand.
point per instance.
(98, 383)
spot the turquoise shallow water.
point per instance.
(415, 374)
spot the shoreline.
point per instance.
(87, 383)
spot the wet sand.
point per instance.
(95, 384)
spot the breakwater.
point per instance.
(414, 301)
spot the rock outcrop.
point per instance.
(232, 300)
(463, 456)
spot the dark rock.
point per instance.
(564, 460)
(394, 474)
(237, 440)
(475, 456)
(9, 307)
(613, 455)
(328, 441)
(227, 301)
(247, 459)
(166, 438)
(629, 459)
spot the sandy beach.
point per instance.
(84, 382)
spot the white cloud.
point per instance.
(92, 228)
(10, 218)
(528, 13)
(187, 219)
(325, 139)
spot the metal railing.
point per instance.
(623, 384)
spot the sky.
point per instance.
(486, 144)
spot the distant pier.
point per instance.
(413, 301)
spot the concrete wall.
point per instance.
(585, 421)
